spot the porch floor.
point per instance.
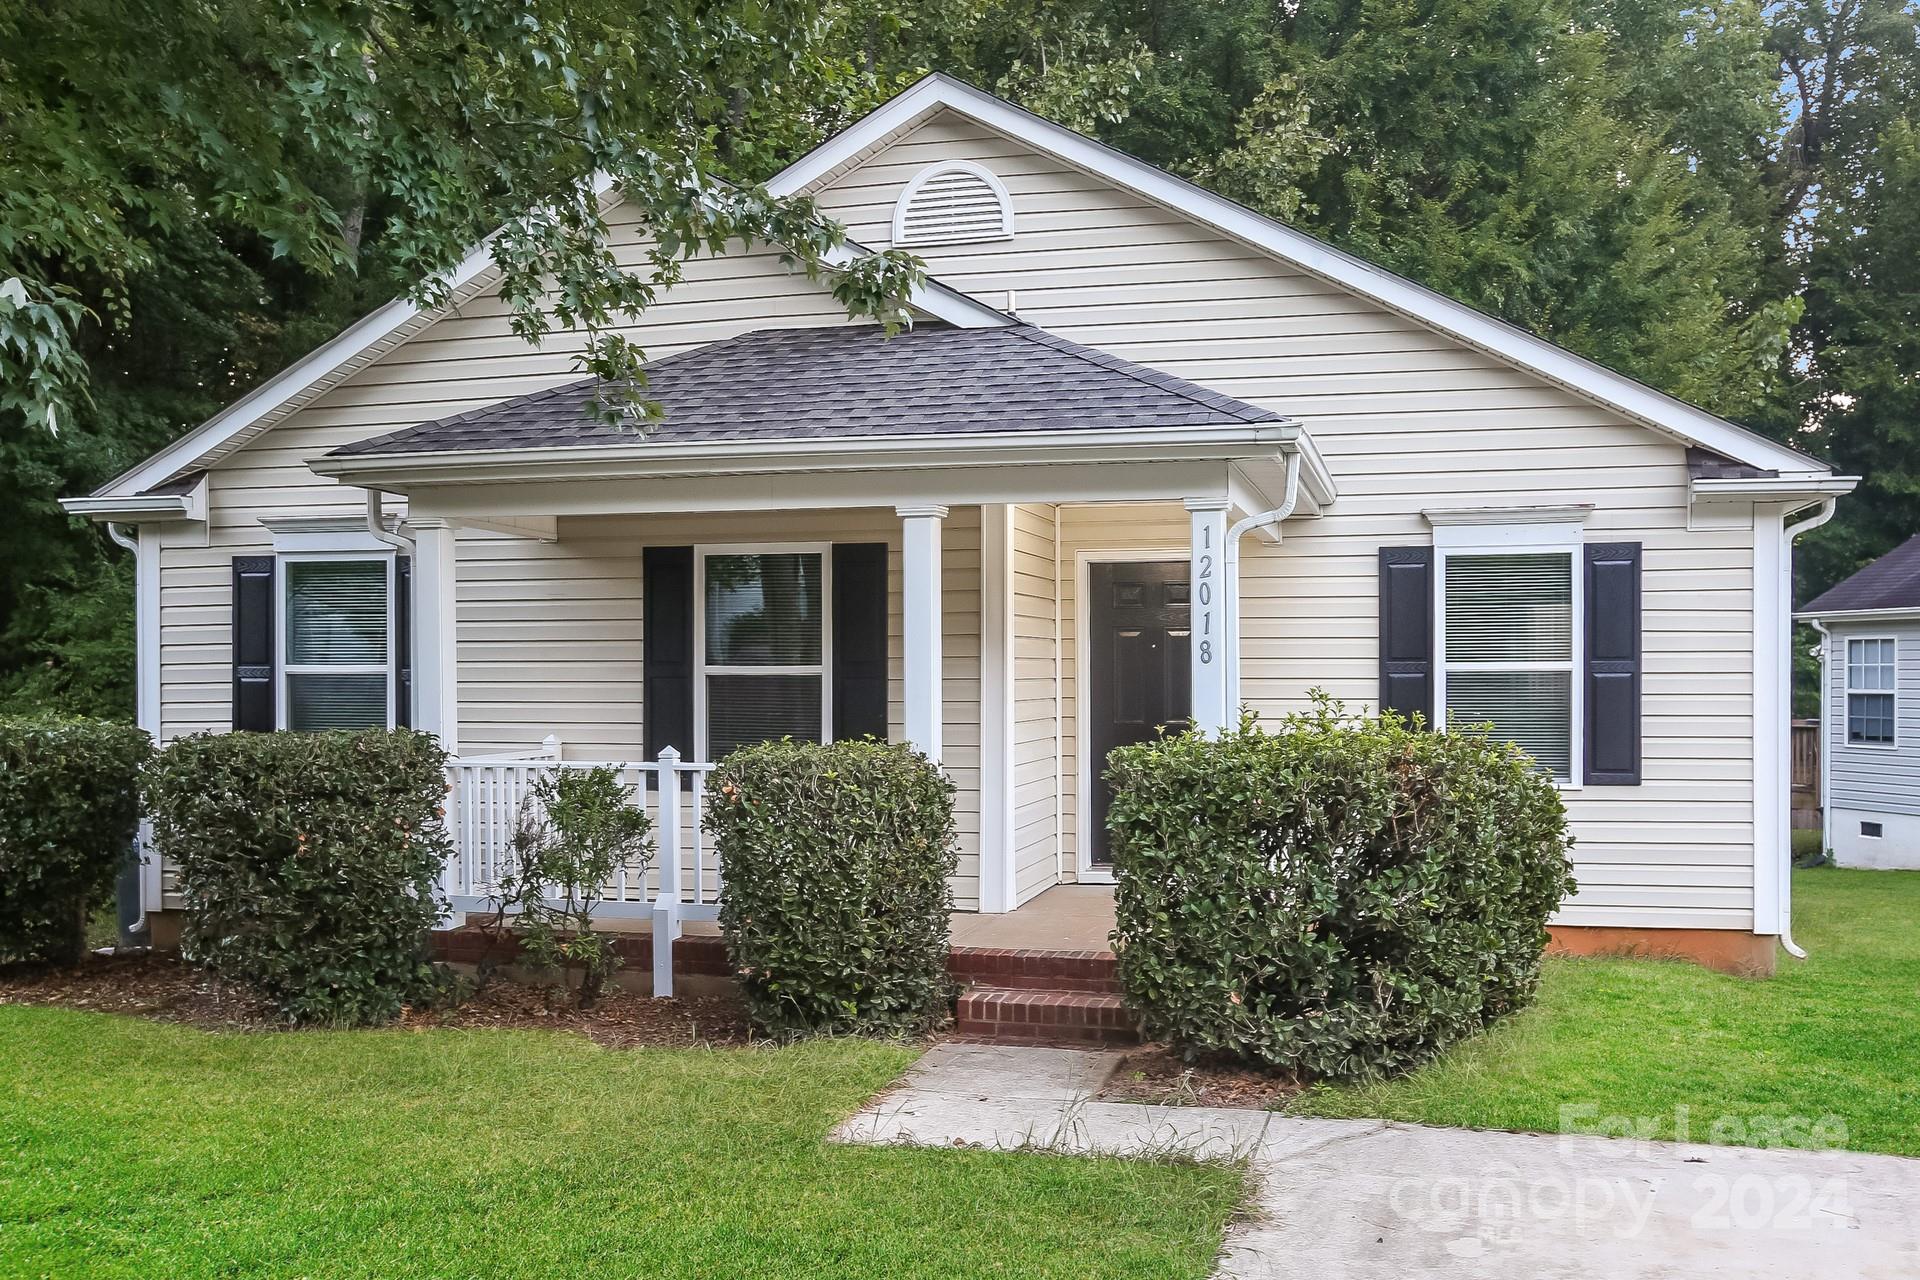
(1067, 917)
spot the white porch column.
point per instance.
(436, 705)
(1207, 650)
(920, 603)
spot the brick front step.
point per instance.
(1027, 1015)
(1091, 971)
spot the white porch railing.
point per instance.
(486, 795)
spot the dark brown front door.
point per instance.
(1137, 675)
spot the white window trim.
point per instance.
(1549, 537)
(1847, 691)
(701, 670)
(282, 668)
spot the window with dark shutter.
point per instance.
(403, 641)
(1613, 660)
(860, 640)
(253, 643)
(1406, 631)
(666, 708)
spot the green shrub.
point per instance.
(835, 902)
(309, 863)
(69, 808)
(577, 829)
(1343, 897)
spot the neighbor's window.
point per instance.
(763, 648)
(1509, 650)
(1870, 692)
(337, 659)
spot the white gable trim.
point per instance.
(1536, 355)
(370, 338)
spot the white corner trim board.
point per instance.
(1634, 399)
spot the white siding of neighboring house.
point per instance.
(1873, 783)
(1407, 419)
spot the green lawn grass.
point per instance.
(134, 1149)
(1836, 1035)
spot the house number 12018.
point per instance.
(1203, 596)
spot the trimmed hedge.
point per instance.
(69, 809)
(1344, 897)
(309, 863)
(836, 899)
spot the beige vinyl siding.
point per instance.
(1036, 708)
(549, 633)
(1407, 419)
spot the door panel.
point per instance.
(1137, 674)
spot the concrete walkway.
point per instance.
(1340, 1199)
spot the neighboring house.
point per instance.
(1009, 535)
(1869, 629)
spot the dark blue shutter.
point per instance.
(253, 644)
(1406, 631)
(666, 688)
(1613, 664)
(403, 641)
(860, 640)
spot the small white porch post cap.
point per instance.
(1207, 504)
(932, 509)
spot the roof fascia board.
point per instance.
(1772, 488)
(1536, 355)
(398, 471)
(139, 508)
(373, 335)
(1903, 613)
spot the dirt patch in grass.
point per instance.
(619, 1020)
(1155, 1074)
(163, 988)
(142, 985)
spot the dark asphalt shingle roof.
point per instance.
(1705, 464)
(1891, 582)
(849, 380)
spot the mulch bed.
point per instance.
(162, 988)
(1155, 1074)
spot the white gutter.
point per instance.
(1231, 573)
(636, 460)
(1784, 782)
(1826, 741)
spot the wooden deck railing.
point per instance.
(488, 795)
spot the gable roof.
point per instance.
(848, 381)
(1891, 582)
(1465, 324)
(374, 335)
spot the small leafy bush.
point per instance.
(836, 899)
(1344, 897)
(69, 808)
(577, 828)
(309, 862)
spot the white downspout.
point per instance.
(1231, 572)
(132, 544)
(1785, 728)
(377, 523)
(1826, 740)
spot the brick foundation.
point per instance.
(1750, 955)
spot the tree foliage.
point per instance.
(1715, 199)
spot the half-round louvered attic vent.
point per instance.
(954, 202)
